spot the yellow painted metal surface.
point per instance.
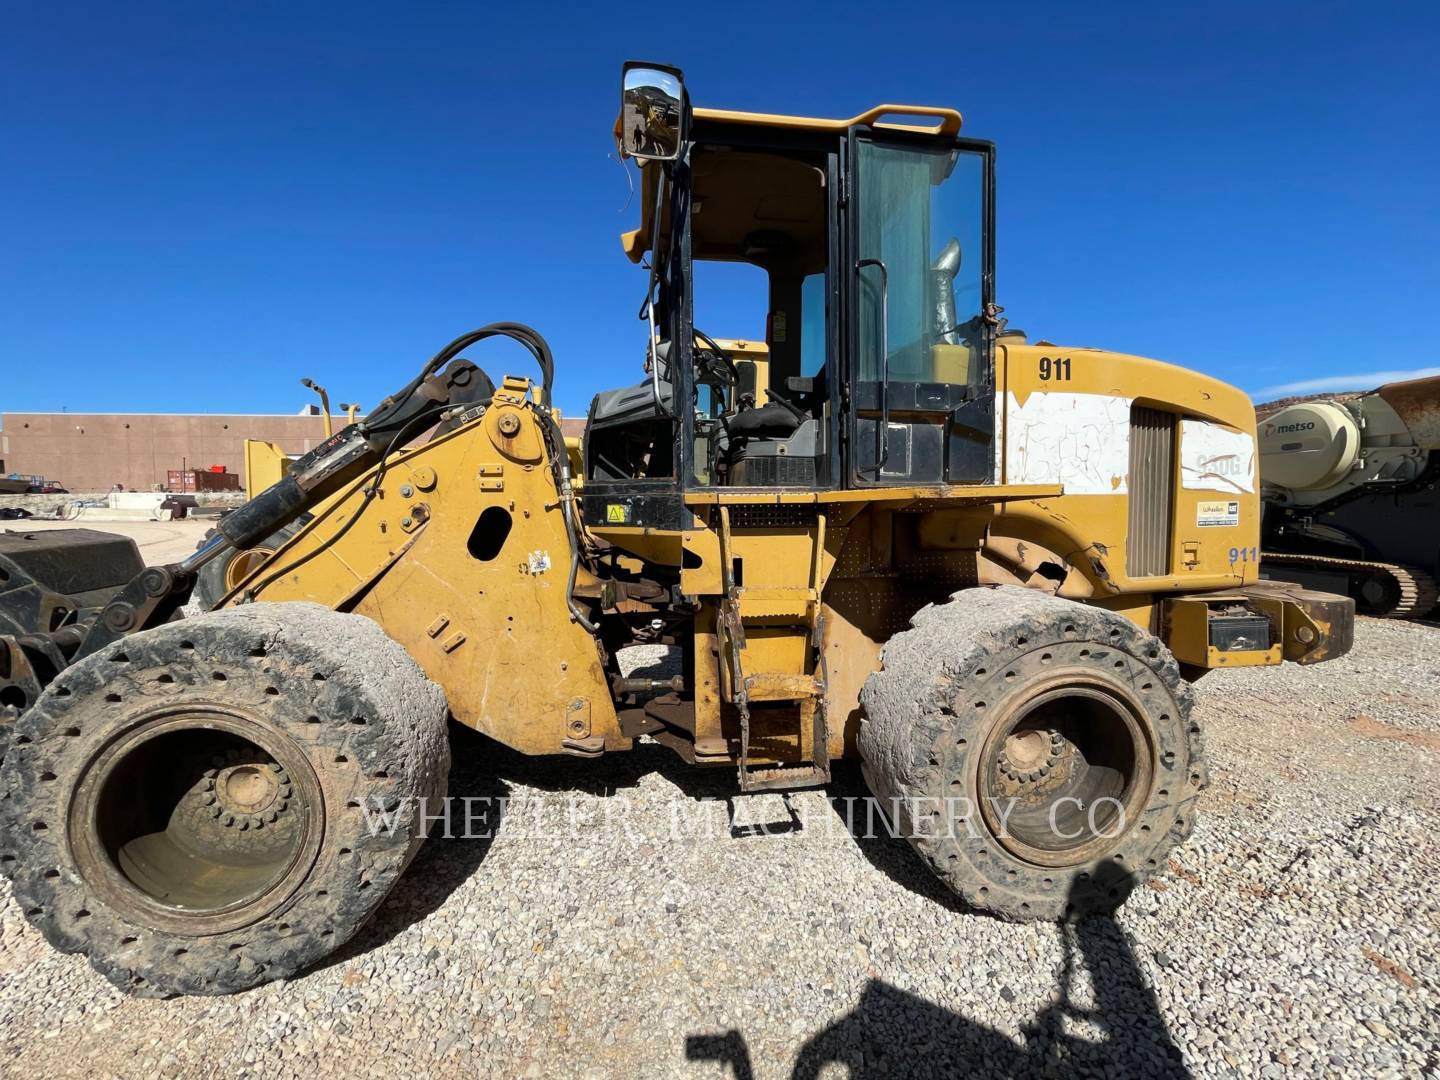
(986, 493)
(1202, 556)
(817, 580)
(948, 121)
(904, 547)
(1188, 636)
(265, 465)
(462, 556)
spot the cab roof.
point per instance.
(948, 120)
(947, 123)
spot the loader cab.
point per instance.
(873, 239)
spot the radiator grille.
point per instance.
(1152, 491)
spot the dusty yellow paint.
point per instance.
(1199, 557)
(495, 633)
(265, 466)
(815, 581)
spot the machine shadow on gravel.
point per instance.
(892, 1032)
(891, 855)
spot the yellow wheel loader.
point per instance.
(987, 567)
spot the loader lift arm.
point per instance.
(447, 392)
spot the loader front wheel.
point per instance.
(224, 800)
(218, 577)
(1038, 753)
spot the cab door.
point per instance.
(920, 282)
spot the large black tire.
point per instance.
(1011, 698)
(194, 807)
(218, 576)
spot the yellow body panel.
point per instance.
(495, 632)
(1200, 556)
(815, 581)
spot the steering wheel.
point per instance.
(720, 354)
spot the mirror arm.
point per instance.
(649, 307)
(654, 361)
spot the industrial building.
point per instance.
(90, 452)
(86, 452)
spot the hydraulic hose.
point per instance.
(555, 436)
(352, 451)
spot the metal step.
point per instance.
(784, 777)
(782, 686)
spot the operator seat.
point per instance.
(769, 421)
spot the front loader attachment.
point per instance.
(51, 585)
(65, 596)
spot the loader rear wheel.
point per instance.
(224, 800)
(1038, 753)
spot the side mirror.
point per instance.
(654, 111)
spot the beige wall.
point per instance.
(96, 451)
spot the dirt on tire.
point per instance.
(363, 728)
(944, 686)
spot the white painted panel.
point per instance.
(1079, 440)
(1215, 458)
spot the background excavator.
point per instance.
(1352, 495)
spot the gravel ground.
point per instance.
(1296, 931)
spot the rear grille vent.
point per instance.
(1152, 491)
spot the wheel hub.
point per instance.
(1066, 770)
(244, 794)
(1031, 756)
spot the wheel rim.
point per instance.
(1065, 772)
(197, 820)
(243, 565)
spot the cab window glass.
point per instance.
(921, 222)
(812, 324)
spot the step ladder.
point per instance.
(792, 610)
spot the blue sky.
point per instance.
(201, 203)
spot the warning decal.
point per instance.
(617, 513)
